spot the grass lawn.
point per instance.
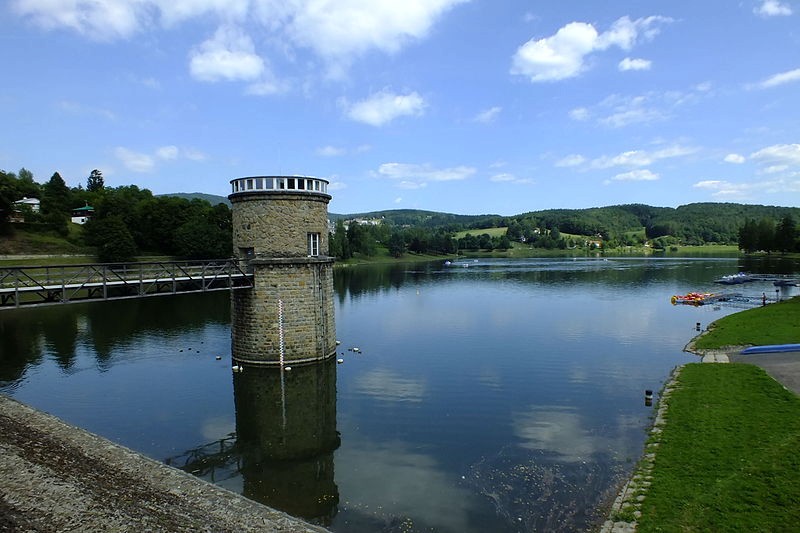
(777, 323)
(493, 232)
(729, 455)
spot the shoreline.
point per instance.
(58, 477)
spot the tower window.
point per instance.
(313, 244)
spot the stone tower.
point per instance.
(280, 235)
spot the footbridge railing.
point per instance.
(43, 285)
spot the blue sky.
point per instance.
(463, 106)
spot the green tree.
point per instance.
(112, 239)
(786, 234)
(748, 236)
(339, 244)
(95, 182)
(396, 244)
(766, 235)
(7, 198)
(26, 186)
(56, 203)
(199, 238)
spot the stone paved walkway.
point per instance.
(58, 478)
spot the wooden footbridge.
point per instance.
(45, 285)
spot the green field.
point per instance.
(729, 455)
(492, 232)
(777, 323)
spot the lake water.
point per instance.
(503, 396)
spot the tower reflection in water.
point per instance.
(286, 436)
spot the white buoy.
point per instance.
(219, 357)
(357, 350)
(340, 361)
(338, 343)
(288, 369)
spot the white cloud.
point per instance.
(81, 109)
(385, 106)
(398, 200)
(167, 152)
(618, 111)
(510, 178)
(780, 78)
(488, 115)
(336, 185)
(752, 191)
(563, 54)
(411, 185)
(97, 20)
(636, 175)
(229, 55)
(579, 114)
(736, 159)
(134, 161)
(416, 176)
(267, 86)
(143, 162)
(780, 154)
(340, 29)
(330, 151)
(708, 184)
(772, 8)
(641, 158)
(193, 155)
(572, 160)
(627, 117)
(634, 64)
(725, 189)
(775, 169)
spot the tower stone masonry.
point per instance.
(280, 235)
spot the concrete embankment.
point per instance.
(56, 477)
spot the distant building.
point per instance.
(82, 214)
(31, 203)
(26, 205)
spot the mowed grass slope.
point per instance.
(776, 323)
(729, 457)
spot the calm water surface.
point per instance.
(503, 396)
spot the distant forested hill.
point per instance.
(689, 224)
(213, 199)
(425, 219)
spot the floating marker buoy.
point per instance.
(357, 350)
(648, 397)
(288, 369)
(340, 361)
(338, 343)
(218, 357)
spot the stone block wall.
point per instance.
(305, 286)
(277, 224)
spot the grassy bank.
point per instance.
(777, 323)
(728, 456)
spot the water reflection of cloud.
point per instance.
(557, 430)
(385, 385)
(394, 481)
